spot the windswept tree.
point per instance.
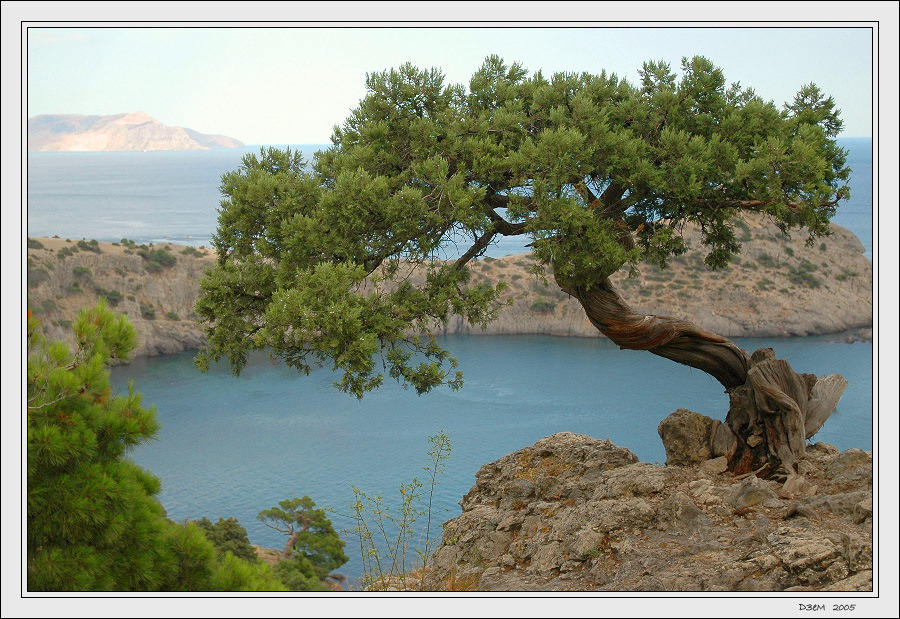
(313, 548)
(313, 263)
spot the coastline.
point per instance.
(778, 287)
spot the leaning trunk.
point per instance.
(773, 409)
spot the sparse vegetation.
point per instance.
(172, 316)
(148, 312)
(82, 272)
(155, 260)
(114, 297)
(92, 246)
(542, 306)
(34, 244)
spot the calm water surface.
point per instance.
(233, 446)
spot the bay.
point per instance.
(233, 446)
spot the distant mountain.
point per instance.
(133, 131)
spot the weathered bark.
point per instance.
(289, 546)
(773, 408)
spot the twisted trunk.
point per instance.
(773, 409)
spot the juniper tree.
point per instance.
(313, 263)
(313, 548)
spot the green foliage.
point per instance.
(129, 243)
(192, 251)
(314, 261)
(37, 276)
(94, 523)
(802, 275)
(113, 297)
(155, 260)
(148, 312)
(385, 538)
(65, 252)
(82, 272)
(227, 535)
(542, 306)
(316, 548)
(34, 244)
(172, 316)
(92, 246)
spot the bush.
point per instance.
(227, 535)
(37, 276)
(148, 312)
(172, 316)
(766, 260)
(82, 272)
(91, 245)
(34, 244)
(192, 251)
(65, 252)
(114, 297)
(156, 259)
(542, 306)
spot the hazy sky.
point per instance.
(285, 85)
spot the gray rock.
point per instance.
(610, 523)
(751, 491)
(680, 511)
(687, 437)
(714, 466)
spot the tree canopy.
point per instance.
(314, 262)
(94, 523)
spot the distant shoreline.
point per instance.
(780, 288)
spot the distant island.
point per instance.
(118, 132)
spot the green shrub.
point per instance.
(148, 312)
(765, 284)
(82, 272)
(114, 297)
(48, 305)
(129, 243)
(65, 252)
(34, 244)
(227, 535)
(172, 316)
(192, 251)
(802, 275)
(766, 260)
(91, 245)
(37, 276)
(542, 306)
(155, 260)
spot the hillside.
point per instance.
(118, 132)
(778, 288)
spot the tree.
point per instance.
(227, 535)
(313, 549)
(314, 264)
(94, 523)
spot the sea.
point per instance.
(232, 446)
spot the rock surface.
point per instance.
(574, 513)
(780, 288)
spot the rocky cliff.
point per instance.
(118, 132)
(778, 287)
(573, 513)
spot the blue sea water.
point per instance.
(233, 446)
(162, 196)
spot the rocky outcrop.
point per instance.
(573, 513)
(118, 132)
(158, 299)
(779, 288)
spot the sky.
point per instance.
(293, 85)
